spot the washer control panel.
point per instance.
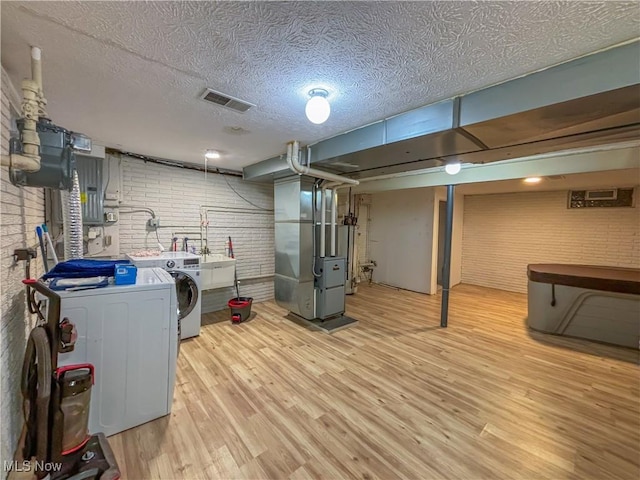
(191, 263)
(169, 261)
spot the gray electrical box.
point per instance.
(90, 178)
(91, 190)
(330, 287)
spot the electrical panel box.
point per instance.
(91, 190)
(90, 178)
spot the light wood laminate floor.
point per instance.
(394, 397)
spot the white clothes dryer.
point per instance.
(129, 333)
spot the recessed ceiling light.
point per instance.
(212, 155)
(452, 168)
(318, 108)
(532, 180)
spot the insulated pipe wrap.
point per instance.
(72, 220)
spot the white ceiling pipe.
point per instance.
(323, 222)
(293, 161)
(334, 186)
(33, 103)
(36, 75)
(36, 67)
(334, 210)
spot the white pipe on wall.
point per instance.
(36, 75)
(21, 162)
(334, 211)
(33, 103)
(36, 67)
(323, 222)
(334, 186)
(293, 161)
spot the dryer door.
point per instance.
(187, 291)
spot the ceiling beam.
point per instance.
(540, 165)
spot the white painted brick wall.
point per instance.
(504, 233)
(176, 195)
(21, 210)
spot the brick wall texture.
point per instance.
(176, 196)
(21, 210)
(503, 233)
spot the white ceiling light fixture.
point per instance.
(212, 155)
(318, 108)
(532, 180)
(452, 168)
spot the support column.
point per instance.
(446, 268)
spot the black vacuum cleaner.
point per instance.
(56, 403)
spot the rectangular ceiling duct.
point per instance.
(224, 100)
(590, 101)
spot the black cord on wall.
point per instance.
(169, 163)
(243, 198)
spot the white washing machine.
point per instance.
(184, 267)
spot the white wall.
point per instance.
(455, 269)
(176, 194)
(401, 238)
(21, 210)
(504, 233)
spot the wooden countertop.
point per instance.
(610, 279)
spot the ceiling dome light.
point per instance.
(452, 168)
(212, 155)
(318, 108)
(532, 180)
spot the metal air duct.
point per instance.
(294, 279)
(590, 101)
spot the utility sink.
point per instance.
(217, 271)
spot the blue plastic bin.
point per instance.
(125, 274)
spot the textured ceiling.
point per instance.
(129, 74)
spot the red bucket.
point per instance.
(240, 308)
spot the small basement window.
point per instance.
(613, 197)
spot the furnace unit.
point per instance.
(309, 285)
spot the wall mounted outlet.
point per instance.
(111, 216)
(153, 223)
